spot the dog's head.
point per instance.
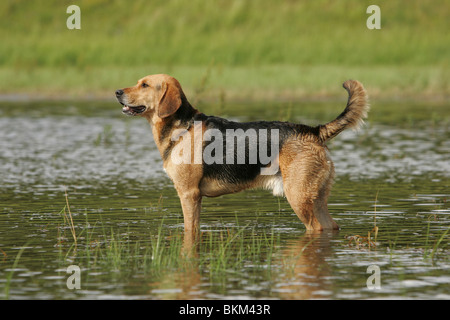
(158, 94)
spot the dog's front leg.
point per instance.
(191, 203)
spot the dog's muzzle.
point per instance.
(127, 109)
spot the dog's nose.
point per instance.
(119, 92)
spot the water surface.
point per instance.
(393, 174)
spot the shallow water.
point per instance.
(389, 175)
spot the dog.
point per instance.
(300, 166)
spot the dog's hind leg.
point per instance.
(307, 177)
(321, 208)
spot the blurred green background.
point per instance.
(226, 49)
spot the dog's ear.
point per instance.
(170, 100)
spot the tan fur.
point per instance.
(307, 171)
(187, 180)
(353, 115)
(308, 174)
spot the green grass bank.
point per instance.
(234, 49)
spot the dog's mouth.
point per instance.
(133, 110)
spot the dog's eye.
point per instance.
(144, 85)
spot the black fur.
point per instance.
(233, 173)
(238, 173)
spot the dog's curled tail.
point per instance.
(353, 115)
